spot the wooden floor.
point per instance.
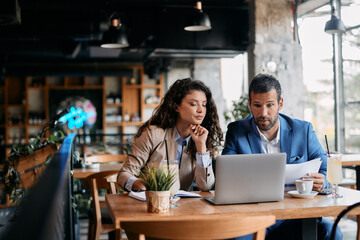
(348, 227)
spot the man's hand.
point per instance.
(138, 185)
(318, 180)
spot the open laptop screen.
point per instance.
(247, 178)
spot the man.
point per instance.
(267, 131)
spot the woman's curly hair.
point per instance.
(165, 115)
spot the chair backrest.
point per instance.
(112, 180)
(104, 158)
(97, 181)
(339, 217)
(215, 226)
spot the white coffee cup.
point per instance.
(304, 186)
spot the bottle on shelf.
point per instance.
(117, 98)
(23, 101)
(126, 117)
(135, 117)
(11, 139)
(110, 98)
(31, 118)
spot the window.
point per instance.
(318, 74)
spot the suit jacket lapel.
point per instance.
(254, 138)
(286, 136)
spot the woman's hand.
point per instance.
(199, 135)
(138, 185)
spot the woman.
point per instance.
(185, 127)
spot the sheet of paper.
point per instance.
(296, 171)
(181, 193)
(138, 195)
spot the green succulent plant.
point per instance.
(157, 179)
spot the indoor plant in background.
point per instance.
(240, 109)
(158, 182)
(36, 154)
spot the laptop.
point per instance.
(249, 178)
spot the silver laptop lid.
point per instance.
(246, 178)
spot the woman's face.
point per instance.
(192, 109)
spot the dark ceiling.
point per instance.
(72, 29)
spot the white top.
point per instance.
(270, 146)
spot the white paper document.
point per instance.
(138, 195)
(296, 171)
(181, 193)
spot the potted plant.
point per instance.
(25, 163)
(158, 182)
(239, 111)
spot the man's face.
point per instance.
(265, 109)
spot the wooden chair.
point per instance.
(112, 180)
(101, 221)
(201, 227)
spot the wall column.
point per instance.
(274, 49)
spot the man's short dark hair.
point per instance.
(263, 83)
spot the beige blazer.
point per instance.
(150, 148)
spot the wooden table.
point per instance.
(124, 208)
(353, 160)
(84, 172)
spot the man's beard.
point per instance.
(267, 127)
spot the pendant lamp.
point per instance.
(335, 24)
(198, 21)
(115, 37)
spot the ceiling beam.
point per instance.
(310, 5)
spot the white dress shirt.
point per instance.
(272, 146)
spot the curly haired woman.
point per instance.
(184, 127)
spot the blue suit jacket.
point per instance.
(297, 139)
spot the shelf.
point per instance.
(132, 123)
(133, 86)
(93, 87)
(114, 124)
(113, 104)
(153, 105)
(36, 87)
(16, 125)
(16, 105)
(157, 86)
(35, 125)
(36, 99)
(19, 95)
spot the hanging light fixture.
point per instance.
(115, 37)
(335, 24)
(199, 21)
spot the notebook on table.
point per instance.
(249, 178)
